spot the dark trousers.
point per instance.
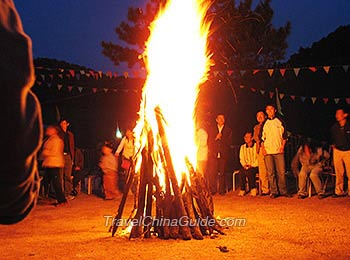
(250, 175)
(78, 177)
(53, 176)
(216, 174)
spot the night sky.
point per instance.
(72, 30)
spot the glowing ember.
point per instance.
(177, 43)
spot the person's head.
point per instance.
(220, 119)
(270, 110)
(248, 137)
(260, 116)
(51, 130)
(129, 134)
(107, 148)
(64, 124)
(341, 114)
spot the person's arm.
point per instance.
(241, 156)
(284, 137)
(21, 116)
(120, 147)
(295, 163)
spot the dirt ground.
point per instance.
(282, 228)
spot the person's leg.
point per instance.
(346, 159)
(242, 178)
(68, 185)
(263, 174)
(222, 176)
(54, 174)
(212, 175)
(339, 172)
(251, 176)
(270, 168)
(316, 180)
(281, 171)
(302, 178)
(107, 184)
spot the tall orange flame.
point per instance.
(177, 62)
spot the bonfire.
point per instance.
(172, 199)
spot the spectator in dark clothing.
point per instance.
(78, 171)
(21, 116)
(219, 140)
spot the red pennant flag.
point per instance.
(253, 89)
(313, 69)
(109, 74)
(94, 90)
(270, 71)
(255, 71)
(72, 72)
(92, 73)
(271, 93)
(39, 83)
(292, 98)
(326, 68)
(282, 71)
(241, 86)
(229, 72)
(60, 76)
(115, 74)
(348, 100)
(325, 100)
(70, 88)
(51, 76)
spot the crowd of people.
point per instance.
(263, 153)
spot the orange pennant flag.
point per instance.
(326, 68)
(270, 71)
(229, 72)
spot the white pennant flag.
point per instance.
(80, 89)
(59, 86)
(313, 99)
(336, 100)
(296, 71)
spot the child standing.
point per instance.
(108, 165)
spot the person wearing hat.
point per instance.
(108, 165)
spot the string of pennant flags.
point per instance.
(281, 96)
(48, 76)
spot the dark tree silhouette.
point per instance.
(241, 37)
(330, 50)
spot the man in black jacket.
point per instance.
(220, 139)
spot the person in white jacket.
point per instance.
(53, 161)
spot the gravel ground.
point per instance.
(282, 228)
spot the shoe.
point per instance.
(70, 197)
(60, 204)
(109, 198)
(322, 196)
(338, 196)
(265, 194)
(74, 193)
(253, 192)
(301, 197)
(241, 193)
(274, 196)
(287, 195)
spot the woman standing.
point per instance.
(53, 161)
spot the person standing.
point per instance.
(53, 161)
(68, 152)
(340, 140)
(108, 165)
(220, 139)
(21, 134)
(273, 141)
(261, 117)
(311, 159)
(248, 158)
(202, 151)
